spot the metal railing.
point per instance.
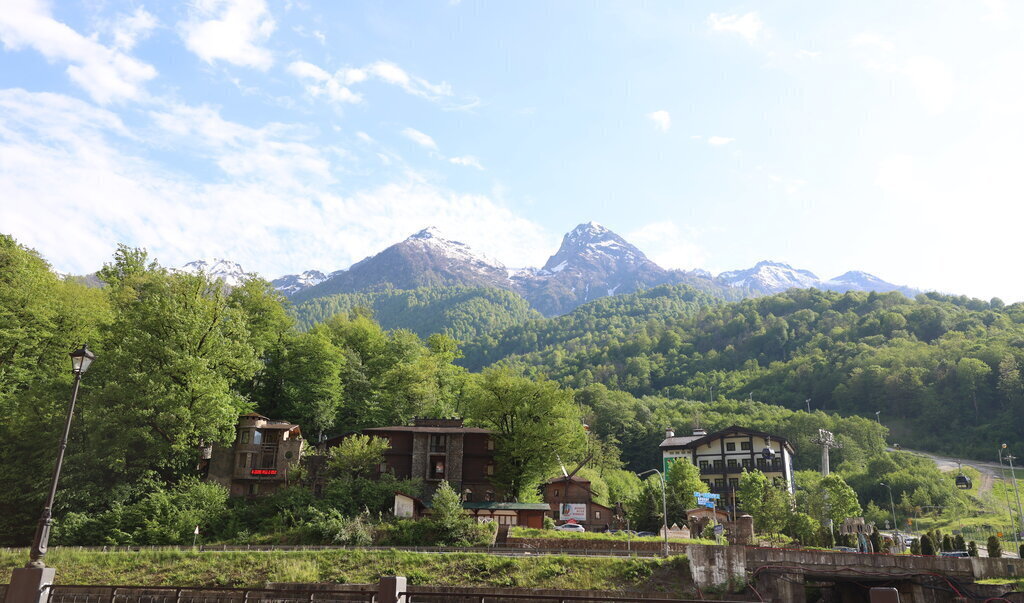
(489, 550)
(145, 594)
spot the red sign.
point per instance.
(263, 472)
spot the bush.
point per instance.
(427, 532)
(927, 547)
(972, 548)
(959, 544)
(915, 546)
(995, 548)
(549, 523)
(331, 527)
(947, 543)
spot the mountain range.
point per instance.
(592, 262)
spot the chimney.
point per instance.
(669, 433)
(699, 431)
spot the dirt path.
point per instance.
(989, 471)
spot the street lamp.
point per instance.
(877, 420)
(1013, 479)
(895, 526)
(1013, 524)
(664, 505)
(80, 361)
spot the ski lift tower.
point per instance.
(826, 440)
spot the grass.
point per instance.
(520, 532)
(254, 569)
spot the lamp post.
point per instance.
(895, 526)
(1006, 493)
(664, 507)
(28, 584)
(1013, 480)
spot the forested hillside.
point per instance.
(943, 371)
(464, 313)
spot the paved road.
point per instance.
(989, 471)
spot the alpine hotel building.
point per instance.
(723, 455)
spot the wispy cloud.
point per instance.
(748, 25)
(718, 141)
(129, 29)
(420, 138)
(468, 161)
(338, 86)
(232, 31)
(661, 119)
(106, 74)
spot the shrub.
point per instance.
(959, 544)
(549, 523)
(915, 546)
(972, 548)
(947, 543)
(927, 547)
(995, 548)
(331, 527)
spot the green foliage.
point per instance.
(927, 547)
(331, 527)
(645, 511)
(826, 498)
(682, 480)
(995, 548)
(534, 422)
(463, 313)
(356, 455)
(972, 549)
(768, 503)
(947, 543)
(915, 547)
(802, 528)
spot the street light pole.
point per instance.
(29, 584)
(1013, 479)
(664, 507)
(1006, 494)
(892, 506)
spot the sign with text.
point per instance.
(263, 472)
(577, 511)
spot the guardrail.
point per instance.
(229, 548)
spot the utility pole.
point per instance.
(1016, 493)
(895, 526)
(826, 440)
(808, 402)
(1006, 493)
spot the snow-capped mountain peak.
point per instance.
(226, 270)
(290, 284)
(770, 277)
(457, 250)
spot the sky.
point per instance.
(294, 135)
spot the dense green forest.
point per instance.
(943, 371)
(463, 313)
(180, 356)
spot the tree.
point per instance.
(453, 527)
(927, 547)
(682, 480)
(947, 543)
(972, 549)
(876, 541)
(303, 381)
(766, 502)
(357, 455)
(959, 544)
(831, 498)
(803, 528)
(995, 548)
(534, 423)
(915, 546)
(645, 511)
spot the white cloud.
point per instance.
(932, 81)
(669, 245)
(337, 87)
(231, 31)
(719, 140)
(468, 161)
(661, 119)
(869, 39)
(273, 222)
(106, 74)
(129, 29)
(749, 25)
(420, 138)
(321, 83)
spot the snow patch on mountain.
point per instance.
(770, 277)
(433, 238)
(290, 284)
(229, 272)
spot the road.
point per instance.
(989, 471)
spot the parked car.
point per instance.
(955, 554)
(646, 534)
(570, 527)
(845, 549)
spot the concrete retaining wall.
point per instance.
(580, 544)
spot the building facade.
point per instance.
(722, 456)
(440, 449)
(571, 499)
(259, 460)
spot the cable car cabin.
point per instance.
(963, 482)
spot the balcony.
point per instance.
(774, 467)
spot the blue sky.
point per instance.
(293, 135)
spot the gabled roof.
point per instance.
(700, 441)
(574, 478)
(507, 506)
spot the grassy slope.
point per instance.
(251, 569)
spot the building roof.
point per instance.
(418, 429)
(507, 506)
(574, 478)
(695, 441)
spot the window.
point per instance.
(244, 436)
(556, 492)
(597, 515)
(730, 447)
(490, 469)
(382, 468)
(257, 436)
(734, 482)
(720, 483)
(718, 463)
(438, 442)
(703, 464)
(732, 463)
(745, 463)
(744, 445)
(490, 443)
(467, 496)
(243, 460)
(437, 469)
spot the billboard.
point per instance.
(575, 511)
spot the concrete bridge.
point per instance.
(786, 574)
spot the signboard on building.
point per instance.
(263, 472)
(575, 511)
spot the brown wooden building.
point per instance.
(259, 460)
(571, 499)
(439, 449)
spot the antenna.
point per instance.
(826, 440)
